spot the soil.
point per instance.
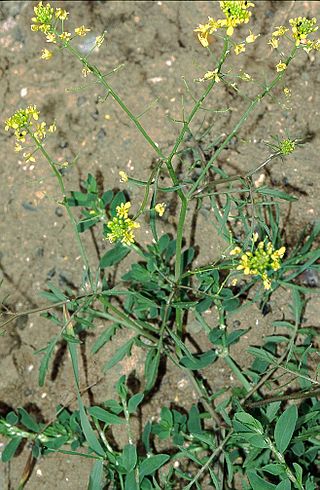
(155, 43)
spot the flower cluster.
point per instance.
(301, 27)
(287, 146)
(121, 226)
(46, 21)
(259, 262)
(236, 13)
(24, 122)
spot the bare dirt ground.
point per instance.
(155, 42)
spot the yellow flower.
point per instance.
(123, 176)
(239, 48)
(235, 251)
(18, 147)
(46, 54)
(65, 36)
(160, 208)
(121, 227)
(236, 13)
(51, 38)
(99, 41)
(210, 75)
(262, 259)
(287, 92)
(301, 27)
(245, 76)
(274, 42)
(40, 132)
(281, 66)
(52, 128)
(61, 14)
(85, 72)
(20, 135)
(206, 30)
(251, 38)
(81, 31)
(280, 31)
(123, 209)
(43, 14)
(29, 157)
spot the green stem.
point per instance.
(70, 215)
(280, 458)
(237, 372)
(241, 121)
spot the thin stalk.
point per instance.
(70, 215)
(241, 121)
(237, 372)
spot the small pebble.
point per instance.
(21, 322)
(28, 206)
(51, 273)
(236, 324)
(101, 134)
(81, 100)
(59, 212)
(310, 277)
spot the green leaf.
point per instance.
(284, 485)
(130, 481)
(88, 432)
(285, 427)
(194, 422)
(96, 475)
(184, 305)
(118, 199)
(107, 417)
(151, 368)
(152, 464)
(258, 483)
(255, 440)
(10, 449)
(57, 442)
(233, 337)
(104, 337)
(107, 197)
(114, 256)
(199, 361)
(262, 354)
(120, 354)
(187, 257)
(12, 418)
(299, 472)
(129, 457)
(146, 436)
(91, 184)
(80, 199)
(134, 402)
(249, 422)
(163, 243)
(274, 469)
(266, 191)
(28, 421)
(87, 223)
